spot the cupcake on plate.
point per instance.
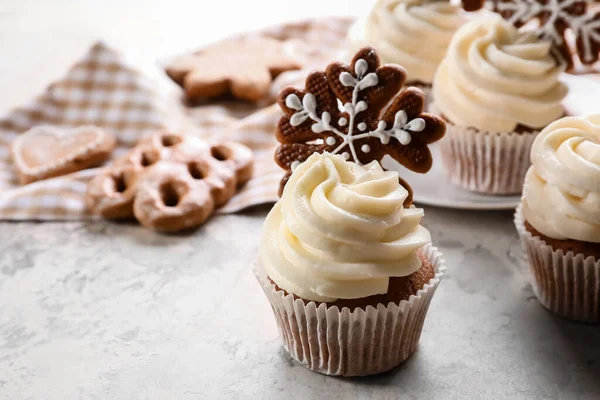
(349, 270)
(411, 33)
(497, 88)
(344, 261)
(559, 217)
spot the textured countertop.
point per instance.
(98, 310)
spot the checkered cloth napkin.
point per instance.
(106, 90)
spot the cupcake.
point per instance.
(344, 261)
(497, 88)
(559, 217)
(348, 269)
(411, 33)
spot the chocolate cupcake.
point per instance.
(559, 218)
(347, 267)
(349, 270)
(497, 88)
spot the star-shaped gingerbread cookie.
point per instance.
(242, 67)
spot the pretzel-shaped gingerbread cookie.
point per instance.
(170, 182)
(361, 128)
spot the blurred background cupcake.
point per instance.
(348, 270)
(411, 33)
(559, 217)
(497, 88)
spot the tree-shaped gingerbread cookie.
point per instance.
(359, 112)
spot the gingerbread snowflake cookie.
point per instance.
(170, 182)
(357, 111)
(554, 19)
(242, 67)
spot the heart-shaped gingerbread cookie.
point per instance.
(45, 151)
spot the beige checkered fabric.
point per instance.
(105, 90)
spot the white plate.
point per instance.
(434, 188)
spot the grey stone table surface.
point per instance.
(98, 310)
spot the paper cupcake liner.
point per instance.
(566, 284)
(362, 342)
(486, 162)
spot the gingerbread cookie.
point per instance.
(243, 67)
(472, 5)
(373, 118)
(554, 19)
(170, 182)
(47, 151)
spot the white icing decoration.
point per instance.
(297, 119)
(347, 79)
(368, 81)
(360, 67)
(307, 109)
(294, 165)
(360, 106)
(293, 102)
(416, 125)
(584, 26)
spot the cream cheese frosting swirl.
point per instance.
(561, 197)
(495, 77)
(412, 33)
(340, 231)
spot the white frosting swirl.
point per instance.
(340, 231)
(495, 77)
(412, 33)
(561, 198)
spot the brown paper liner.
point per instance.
(486, 162)
(566, 284)
(362, 342)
